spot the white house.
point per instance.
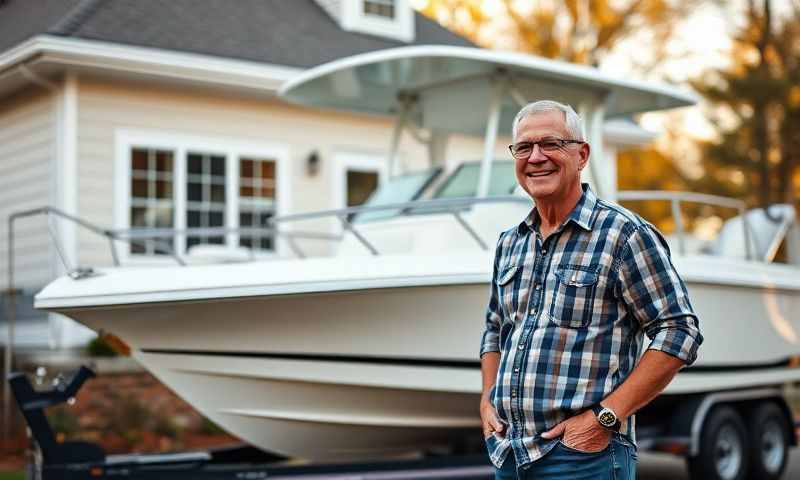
(162, 113)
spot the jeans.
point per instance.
(616, 462)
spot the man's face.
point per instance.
(549, 176)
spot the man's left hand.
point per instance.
(582, 432)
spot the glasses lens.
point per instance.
(521, 150)
(550, 145)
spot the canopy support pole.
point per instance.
(602, 173)
(405, 103)
(499, 88)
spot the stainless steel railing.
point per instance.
(676, 198)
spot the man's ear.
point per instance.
(584, 153)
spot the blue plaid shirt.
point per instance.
(567, 316)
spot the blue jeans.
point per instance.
(616, 462)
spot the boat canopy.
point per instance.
(427, 75)
(444, 90)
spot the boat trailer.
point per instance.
(77, 460)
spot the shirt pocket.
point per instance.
(572, 305)
(505, 290)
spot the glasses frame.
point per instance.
(561, 141)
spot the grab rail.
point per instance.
(675, 199)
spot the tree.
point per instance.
(585, 32)
(756, 110)
(577, 31)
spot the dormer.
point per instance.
(392, 19)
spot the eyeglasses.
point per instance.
(523, 150)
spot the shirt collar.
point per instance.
(582, 214)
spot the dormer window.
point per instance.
(392, 19)
(379, 8)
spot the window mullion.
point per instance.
(232, 198)
(179, 197)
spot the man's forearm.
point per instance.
(650, 376)
(490, 362)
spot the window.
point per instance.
(205, 196)
(151, 204)
(379, 8)
(398, 189)
(394, 19)
(256, 200)
(464, 181)
(176, 181)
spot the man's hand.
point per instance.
(490, 420)
(582, 432)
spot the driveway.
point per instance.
(654, 466)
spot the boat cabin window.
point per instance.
(397, 189)
(464, 181)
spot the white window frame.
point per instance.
(362, 162)
(181, 143)
(401, 27)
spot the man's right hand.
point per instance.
(490, 421)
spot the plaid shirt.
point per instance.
(567, 316)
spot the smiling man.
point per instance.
(576, 286)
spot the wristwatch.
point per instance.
(606, 417)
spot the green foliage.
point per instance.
(12, 475)
(63, 421)
(97, 347)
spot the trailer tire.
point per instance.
(769, 447)
(724, 450)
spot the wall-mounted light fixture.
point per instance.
(312, 163)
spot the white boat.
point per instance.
(374, 351)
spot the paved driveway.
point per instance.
(654, 466)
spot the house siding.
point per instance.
(27, 150)
(105, 108)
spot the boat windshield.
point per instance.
(463, 183)
(398, 189)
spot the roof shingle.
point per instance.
(296, 33)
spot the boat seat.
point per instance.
(766, 234)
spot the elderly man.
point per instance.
(576, 285)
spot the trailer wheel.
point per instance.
(770, 442)
(723, 447)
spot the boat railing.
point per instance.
(271, 228)
(676, 198)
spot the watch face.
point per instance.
(606, 418)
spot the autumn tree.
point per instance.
(584, 32)
(756, 110)
(576, 31)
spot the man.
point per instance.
(575, 287)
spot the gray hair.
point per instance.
(571, 119)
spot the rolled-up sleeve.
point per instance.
(654, 293)
(490, 340)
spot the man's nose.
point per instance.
(537, 156)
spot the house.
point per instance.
(163, 114)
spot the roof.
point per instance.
(279, 32)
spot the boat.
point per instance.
(373, 351)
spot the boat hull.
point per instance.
(361, 373)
